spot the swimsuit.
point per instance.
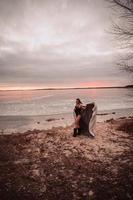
(77, 111)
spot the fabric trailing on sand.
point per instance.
(88, 119)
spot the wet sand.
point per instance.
(14, 124)
(51, 164)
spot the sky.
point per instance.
(58, 43)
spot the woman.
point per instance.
(77, 115)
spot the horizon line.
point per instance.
(67, 88)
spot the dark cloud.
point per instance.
(52, 42)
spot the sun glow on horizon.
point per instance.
(91, 84)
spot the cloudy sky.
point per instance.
(57, 43)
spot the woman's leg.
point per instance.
(77, 120)
(77, 126)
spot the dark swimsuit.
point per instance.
(77, 111)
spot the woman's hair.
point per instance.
(79, 100)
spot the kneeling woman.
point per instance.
(77, 115)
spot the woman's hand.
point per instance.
(83, 107)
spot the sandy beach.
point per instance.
(14, 124)
(51, 164)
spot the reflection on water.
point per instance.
(8, 96)
(46, 102)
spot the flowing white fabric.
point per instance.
(93, 120)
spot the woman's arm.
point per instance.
(82, 106)
(74, 114)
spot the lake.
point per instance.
(27, 110)
(48, 102)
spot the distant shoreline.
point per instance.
(73, 88)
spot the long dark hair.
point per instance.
(79, 100)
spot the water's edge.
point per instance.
(13, 124)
